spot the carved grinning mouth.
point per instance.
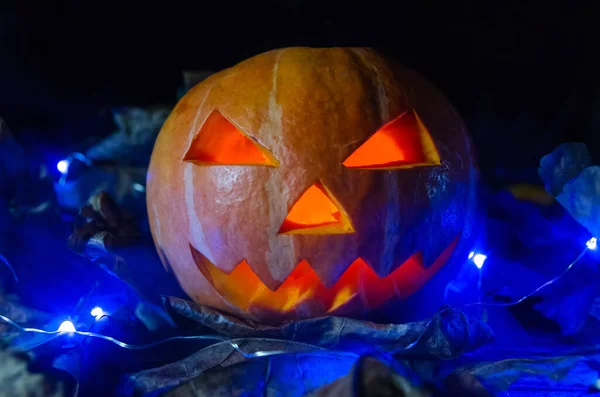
(242, 287)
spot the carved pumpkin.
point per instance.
(304, 182)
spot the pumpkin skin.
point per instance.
(217, 219)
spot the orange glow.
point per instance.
(243, 288)
(402, 143)
(219, 142)
(315, 212)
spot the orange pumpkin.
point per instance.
(304, 182)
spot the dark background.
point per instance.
(523, 74)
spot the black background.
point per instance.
(523, 74)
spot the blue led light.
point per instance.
(63, 166)
(138, 187)
(67, 326)
(591, 244)
(97, 311)
(471, 255)
(479, 260)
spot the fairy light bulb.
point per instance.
(62, 166)
(591, 244)
(479, 260)
(67, 326)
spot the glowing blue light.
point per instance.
(471, 255)
(479, 260)
(62, 166)
(591, 244)
(138, 187)
(67, 326)
(97, 311)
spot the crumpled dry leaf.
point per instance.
(581, 198)
(132, 143)
(369, 377)
(18, 380)
(562, 165)
(448, 334)
(464, 384)
(103, 215)
(568, 175)
(570, 301)
(103, 228)
(25, 185)
(291, 375)
(372, 378)
(499, 376)
(19, 314)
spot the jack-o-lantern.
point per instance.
(304, 182)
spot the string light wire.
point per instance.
(234, 342)
(552, 281)
(221, 340)
(8, 265)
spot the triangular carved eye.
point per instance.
(404, 142)
(219, 142)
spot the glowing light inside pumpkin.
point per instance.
(315, 212)
(402, 143)
(219, 142)
(243, 288)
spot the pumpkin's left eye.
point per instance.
(220, 142)
(404, 142)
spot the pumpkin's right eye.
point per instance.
(404, 142)
(220, 142)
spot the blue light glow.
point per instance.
(138, 187)
(62, 166)
(471, 255)
(591, 244)
(479, 260)
(67, 326)
(97, 311)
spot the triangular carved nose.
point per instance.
(316, 212)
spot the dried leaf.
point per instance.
(372, 378)
(581, 198)
(132, 144)
(102, 215)
(464, 384)
(562, 165)
(449, 333)
(544, 372)
(19, 314)
(538, 243)
(18, 380)
(290, 375)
